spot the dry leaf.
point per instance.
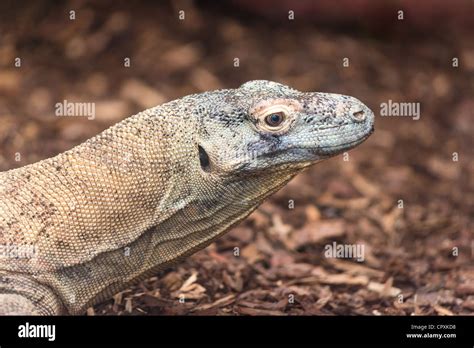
(227, 300)
(251, 253)
(355, 268)
(385, 290)
(317, 232)
(312, 213)
(172, 281)
(279, 228)
(128, 305)
(442, 311)
(188, 282)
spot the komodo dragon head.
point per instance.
(266, 129)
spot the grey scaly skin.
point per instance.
(157, 187)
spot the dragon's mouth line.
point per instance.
(316, 150)
(349, 144)
(321, 153)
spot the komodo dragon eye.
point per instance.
(275, 116)
(275, 119)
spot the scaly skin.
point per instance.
(157, 187)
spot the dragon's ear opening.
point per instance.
(204, 159)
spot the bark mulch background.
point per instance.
(402, 195)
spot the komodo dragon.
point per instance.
(157, 187)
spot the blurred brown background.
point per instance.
(409, 251)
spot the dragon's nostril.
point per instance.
(358, 116)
